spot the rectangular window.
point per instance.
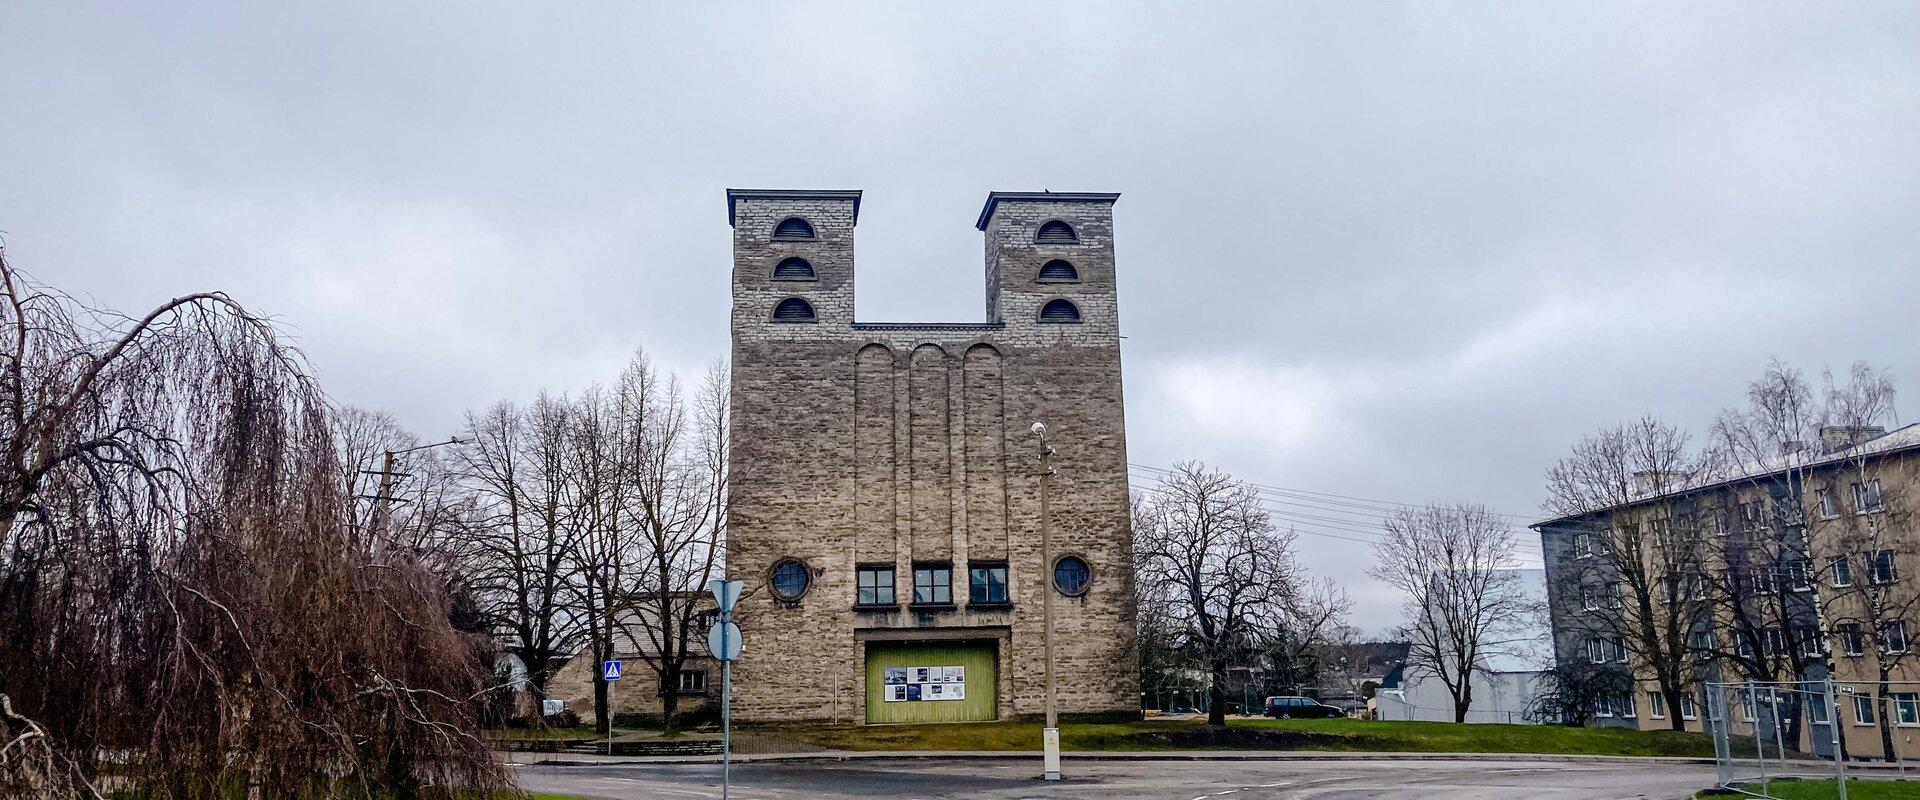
(1662, 534)
(1808, 640)
(1589, 598)
(1817, 709)
(933, 584)
(1687, 708)
(1797, 576)
(1896, 636)
(1880, 568)
(1763, 579)
(1753, 515)
(691, 681)
(1702, 642)
(875, 586)
(1596, 650)
(1906, 708)
(1603, 706)
(1656, 705)
(1772, 642)
(1863, 711)
(987, 584)
(1828, 509)
(1627, 708)
(1867, 497)
(1582, 545)
(1697, 586)
(1619, 649)
(1852, 639)
(1841, 568)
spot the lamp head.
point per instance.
(1040, 428)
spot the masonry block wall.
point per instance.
(908, 443)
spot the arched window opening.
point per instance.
(1059, 311)
(790, 579)
(793, 269)
(793, 228)
(1057, 232)
(1058, 271)
(1071, 575)
(793, 309)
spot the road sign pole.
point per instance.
(610, 685)
(726, 725)
(723, 642)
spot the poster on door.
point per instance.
(913, 684)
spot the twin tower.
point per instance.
(885, 496)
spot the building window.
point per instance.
(1817, 709)
(1867, 498)
(691, 681)
(1056, 232)
(1619, 649)
(1842, 569)
(1627, 708)
(875, 586)
(933, 585)
(1596, 650)
(1828, 509)
(1059, 271)
(1061, 312)
(1809, 641)
(1687, 708)
(793, 269)
(1746, 705)
(1906, 708)
(793, 309)
(987, 584)
(1797, 576)
(1071, 575)
(1753, 515)
(790, 579)
(1656, 705)
(1895, 634)
(1853, 641)
(793, 229)
(1880, 568)
(1589, 598)
(1863, 711)
(1582, 545)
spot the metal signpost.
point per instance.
(723, 641)
(610, 672)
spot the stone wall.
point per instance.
(902, 443)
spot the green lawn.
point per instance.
(1262, 734)
(1871, 789)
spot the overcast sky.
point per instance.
(1397, 252)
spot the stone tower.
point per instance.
(885, 494)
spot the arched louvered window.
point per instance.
(1057, 271)
(793, 228)
(793, 269)
(1059, 311)
(794, 309)
(1056, 232)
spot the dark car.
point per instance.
(1300, 708)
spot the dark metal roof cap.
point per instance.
(795, 194)
(994, 198)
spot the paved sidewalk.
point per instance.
(569, 759)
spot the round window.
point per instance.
(1071, 575)
(790, 579)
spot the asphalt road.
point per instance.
(1172, 780)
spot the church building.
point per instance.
(886, 508)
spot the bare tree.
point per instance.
(181, 590)
(1309, 645)
(522, 533)
(1454, 565)
(1644, 554)
(1207, 547)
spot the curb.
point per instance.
(841, 756)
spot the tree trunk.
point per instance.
(1463, 698)
(1886, 720)
(1671, 696)
(1217, 694)
(669, 703)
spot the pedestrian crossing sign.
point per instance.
(610, 671)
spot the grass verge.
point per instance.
(1868, 789)
(1262, 734)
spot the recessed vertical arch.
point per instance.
(985, 422)
(930, 416)
(875, 514)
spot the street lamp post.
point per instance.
(1050, 737)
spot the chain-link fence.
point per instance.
(1765, 731)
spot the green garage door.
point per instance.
(931, 682)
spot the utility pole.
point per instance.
(383, 501)
(1050, 737)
